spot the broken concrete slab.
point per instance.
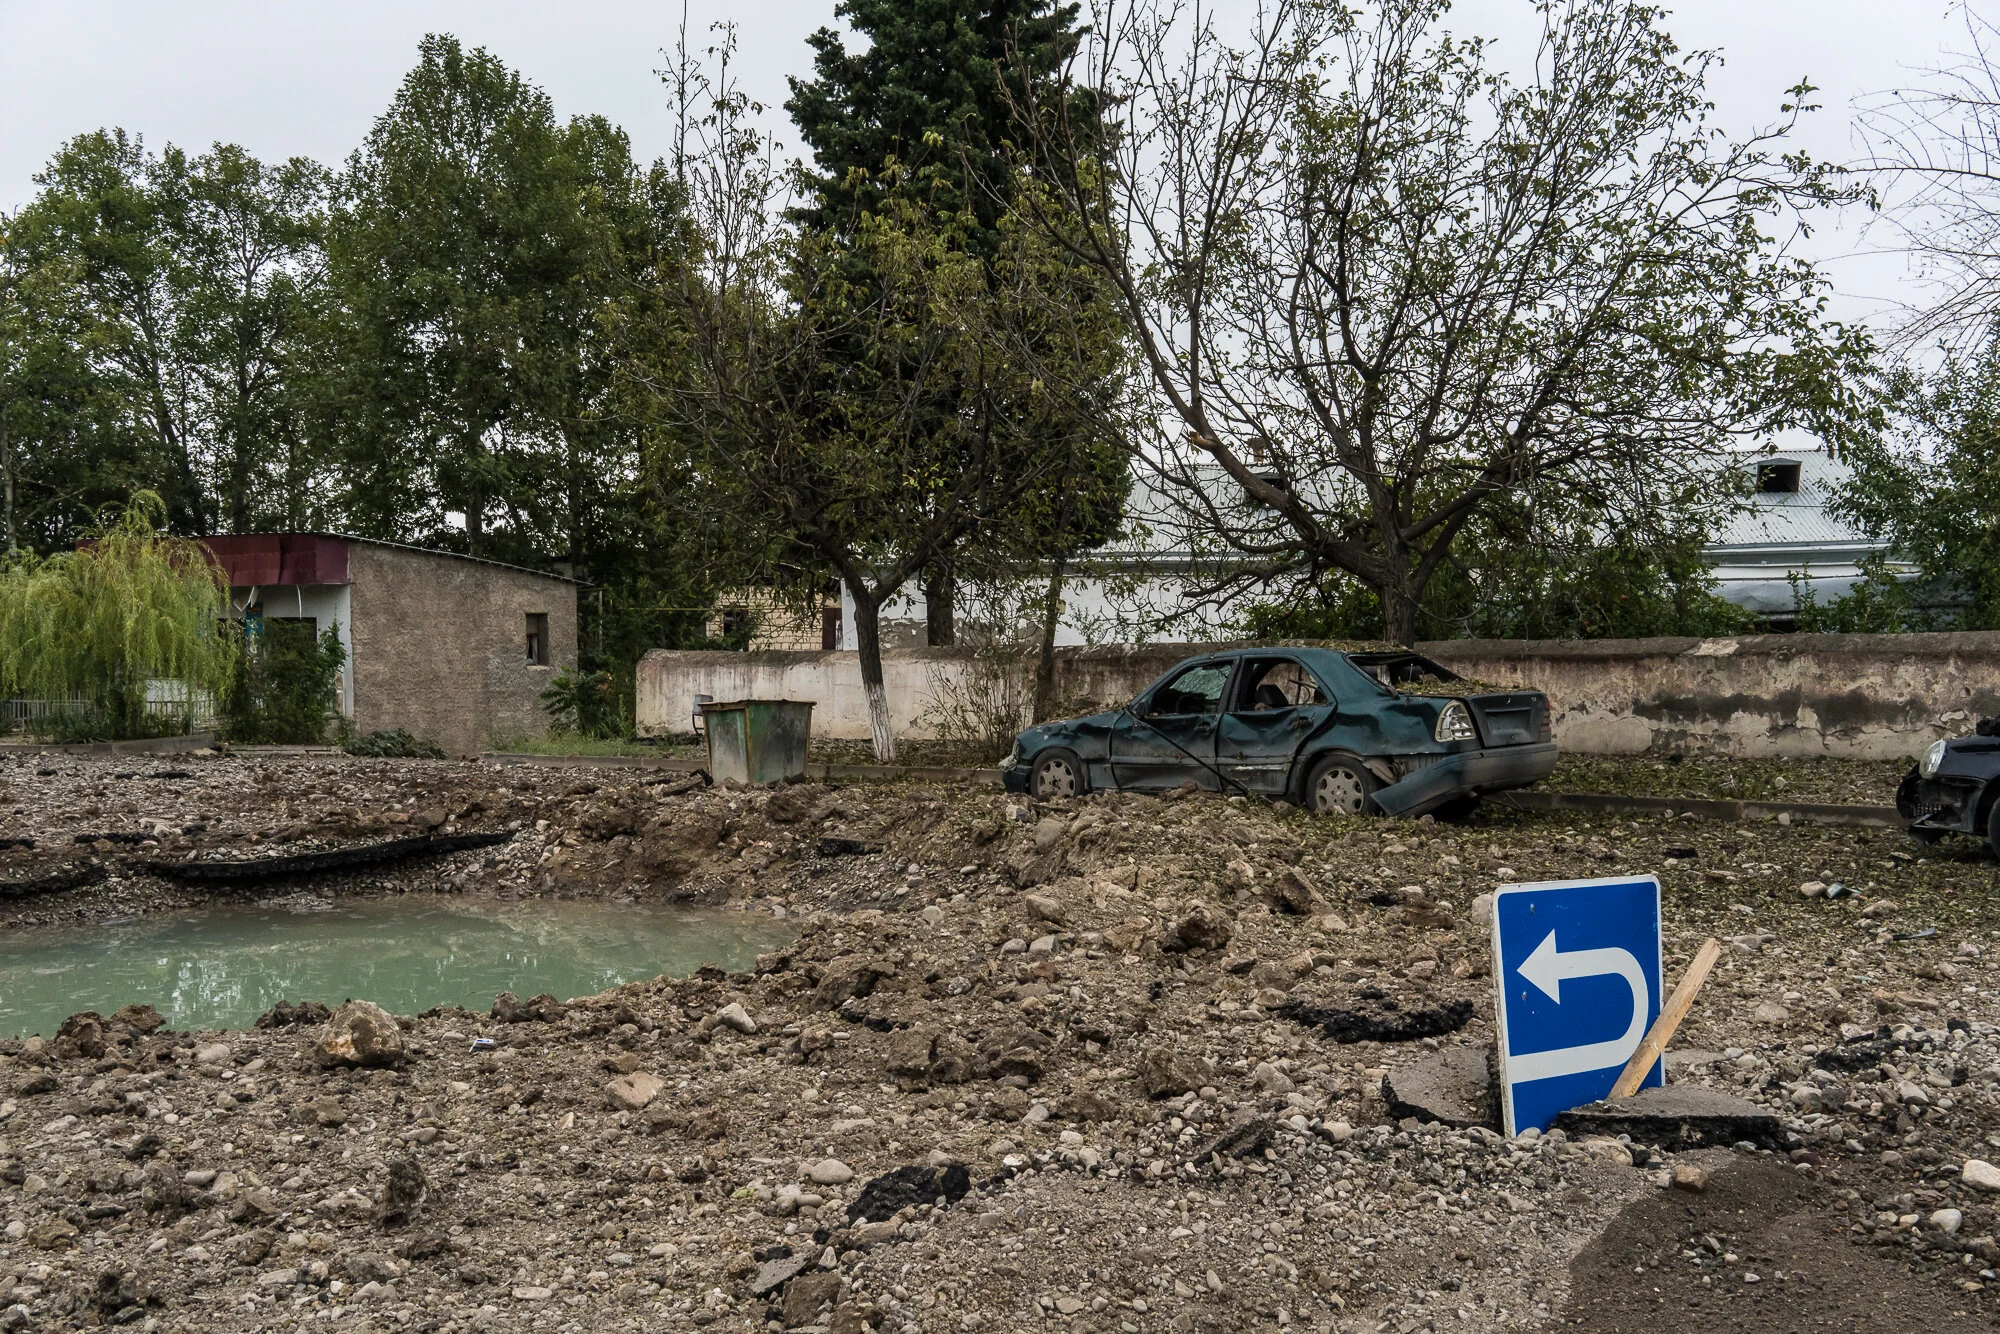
(776, 1273)
(1678, 1116)
(1454, 1087)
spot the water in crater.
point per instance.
(222, 967)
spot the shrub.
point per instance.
(285, 685)
(586, 704)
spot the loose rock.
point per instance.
(362, 1033)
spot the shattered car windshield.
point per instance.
(1196, 690)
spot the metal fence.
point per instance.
(173, 706)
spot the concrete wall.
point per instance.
(439, 646)
(669, 680)
(1851, 696)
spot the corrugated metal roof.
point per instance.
(280, 541)
(1797, 519)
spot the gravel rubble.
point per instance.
(1023, 1068)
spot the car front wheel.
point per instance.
(1057, 774)
(1341, 786)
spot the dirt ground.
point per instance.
(1718, 777)
(1024, 1068)
(1761, 1250)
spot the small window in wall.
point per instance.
(1778, 478)
(538, 639)
(735, 621)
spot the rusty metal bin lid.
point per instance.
(718, 705)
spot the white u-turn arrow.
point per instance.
(1546, 968)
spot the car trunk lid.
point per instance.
(1511, 719)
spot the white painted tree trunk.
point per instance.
(880, 730)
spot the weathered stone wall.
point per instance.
(440, 646)
(1849, 696)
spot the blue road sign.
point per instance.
(1577, 967)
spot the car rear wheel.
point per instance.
(1057, 774)
(1993, 829)
(1341, 786)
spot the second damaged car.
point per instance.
(1955, 788)
(1341, 732)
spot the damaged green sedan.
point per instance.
(1351, 732)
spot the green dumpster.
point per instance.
(757, 740)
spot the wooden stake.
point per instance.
(1671, 1014)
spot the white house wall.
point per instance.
(326, 604)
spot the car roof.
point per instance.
(1319, 658)
(1276, 651)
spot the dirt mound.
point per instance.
(1761, 1250)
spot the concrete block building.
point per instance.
(454, 648)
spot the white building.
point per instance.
(1788, 532)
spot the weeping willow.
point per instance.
(131, 612)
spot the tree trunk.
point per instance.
(1045, 669)
(868, 638)
(240, 463)
(7, 479)
(1399, 614)
(239, 487)
(940, 613)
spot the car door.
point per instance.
(1167, 736)
(1276, 703)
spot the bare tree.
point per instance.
(1935, 149)
(1377, 284)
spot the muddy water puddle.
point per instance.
(223, 967)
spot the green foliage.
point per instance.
(158, 336)
(436, 330)
(851, 403)
(921, 105)
(1931, 485)
(586, 704)
(285, 685)
(396, 743)
(1554, 568)
(1883, 601)
(1616, 592)
(474, 251)
(100, 624)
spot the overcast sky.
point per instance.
(292, 78)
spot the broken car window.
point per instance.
(1398, 670)
(1277, 683)
(1196, 690)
